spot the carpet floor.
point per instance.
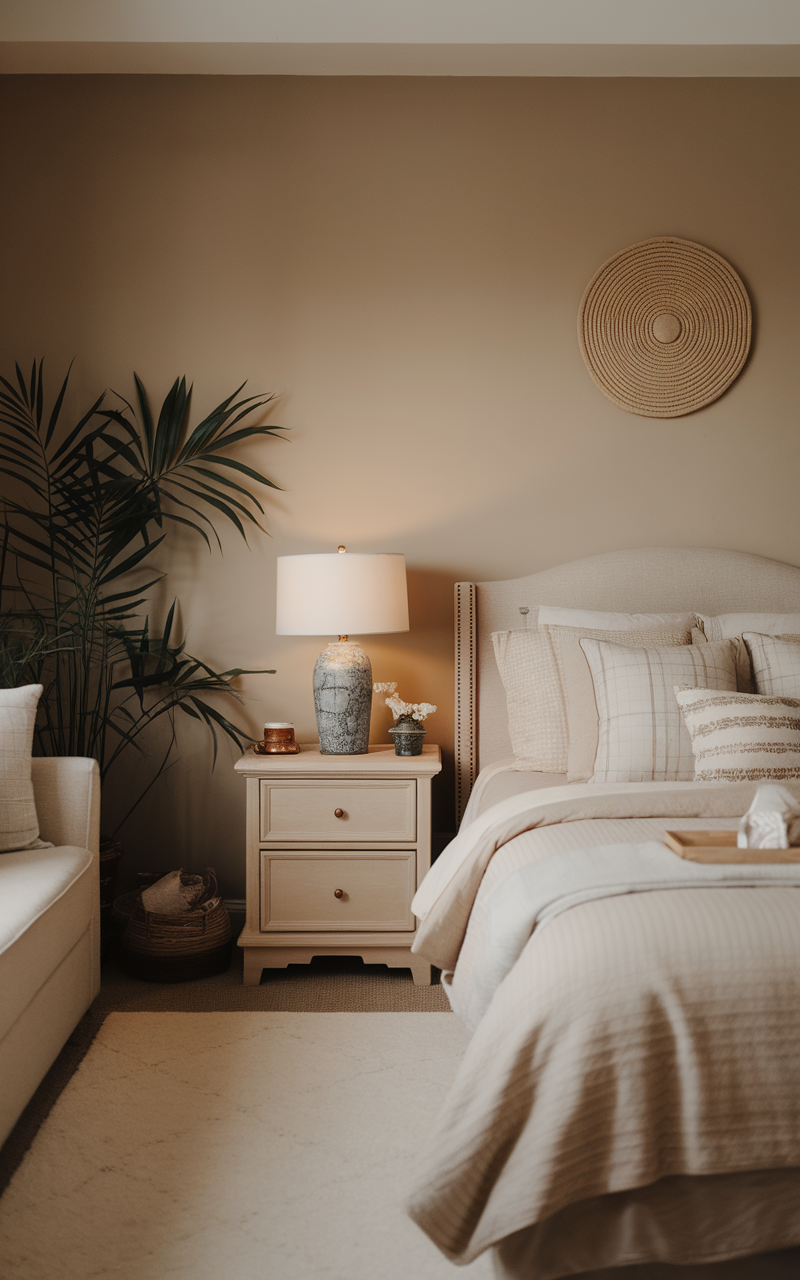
(330, 984)
(253, 1144)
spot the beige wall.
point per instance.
(402, 261)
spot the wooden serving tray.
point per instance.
(720, 846)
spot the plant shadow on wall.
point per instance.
(85, 509)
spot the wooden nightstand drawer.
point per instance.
(297, 809)
(299, 853)
(333, 891)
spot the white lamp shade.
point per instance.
(341, 594)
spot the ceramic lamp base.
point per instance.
(343, 699)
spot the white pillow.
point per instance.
(727, 625)
(642, 736)
(775, 661)
(551, 615)
(19, 826)
(742, 737)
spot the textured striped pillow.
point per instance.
(642, 736)
(741, 737)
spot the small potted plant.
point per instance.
(408, 731)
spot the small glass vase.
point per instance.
(408, 734)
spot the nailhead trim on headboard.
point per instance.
(466, 744)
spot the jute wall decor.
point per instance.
(664, 327)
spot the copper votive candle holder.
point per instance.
(278, 740)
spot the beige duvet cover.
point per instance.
(640, 1037)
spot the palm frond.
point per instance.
(91, 506)
(147, 417)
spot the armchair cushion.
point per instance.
(47, 900)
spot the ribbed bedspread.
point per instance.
(636, 1037)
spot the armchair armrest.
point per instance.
(67, 792)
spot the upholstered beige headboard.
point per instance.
(647, 580)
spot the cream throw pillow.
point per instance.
(539, 668)
(642, 736)
(582, 718)
(19, 826)
(775, 661)
(742, 737)
(537, 717)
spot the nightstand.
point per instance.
(336, 847)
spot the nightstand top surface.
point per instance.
(379, 761)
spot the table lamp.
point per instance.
(342, 593)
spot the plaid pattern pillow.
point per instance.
(642, 736)
(19, 826)
(742, 737)
(776, 663)
(582, 720)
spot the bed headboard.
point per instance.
(646, 580)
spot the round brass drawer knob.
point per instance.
(338, 813)
(338, 893)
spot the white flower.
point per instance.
(417, 710)
(398, 707)
(422, 709)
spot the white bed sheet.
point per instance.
(500, 781)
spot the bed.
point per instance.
(629, 1104)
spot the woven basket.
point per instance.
(178, 948)
(110, 854)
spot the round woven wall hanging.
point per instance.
(664, 327)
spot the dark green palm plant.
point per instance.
(85, 508)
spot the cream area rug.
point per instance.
(261, 1146)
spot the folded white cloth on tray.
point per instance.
(772, 821)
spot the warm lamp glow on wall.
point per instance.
(342, 594)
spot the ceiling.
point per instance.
(402, 37)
